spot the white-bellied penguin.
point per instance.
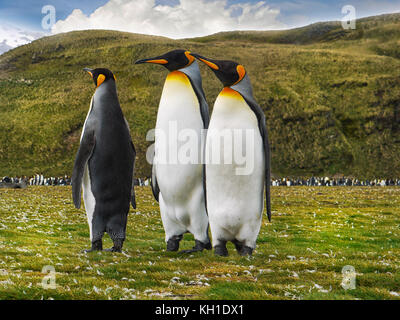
(104, 164)
(179, 185)
(235, 199)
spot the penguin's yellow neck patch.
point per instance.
(227, 92)
(178, 76)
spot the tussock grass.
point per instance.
(315, 233)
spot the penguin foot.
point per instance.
(113, 249)
(246, 251)
(173, 243)
(96, 246)
(199, 246)
(238, 245)
(221, 250)
(117, 247)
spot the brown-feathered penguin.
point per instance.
(104, 165)
(177, 185)
(235, 200)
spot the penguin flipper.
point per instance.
(267, 152)
(154, 185)
(85, 151)
(153, 181)
(204, 110)
(205, 116)
(133, 198)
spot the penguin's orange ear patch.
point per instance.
(190, 57)
(100, 79)
(241, 72)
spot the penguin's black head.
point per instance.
(100, 75)
(173, 60)
(228, 72)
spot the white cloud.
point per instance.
(4, 47)
(11, 37)
(189, 18)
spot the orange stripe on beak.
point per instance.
(159, 61)
(210, 64)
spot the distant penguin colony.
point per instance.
(193, 196)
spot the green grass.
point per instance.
(331, 97)
(314, 233)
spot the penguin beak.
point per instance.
(88, 70)
(155, 60)
(207, 61)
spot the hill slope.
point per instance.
(331, 97)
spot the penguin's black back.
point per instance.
(111, 163)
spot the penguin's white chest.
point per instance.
(235, 168)
(179, 104)
(178, 148)
(88, 197)
(178, 131)
(87, 116)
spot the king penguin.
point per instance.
(235, 199)
(104, 165)
(179, 185)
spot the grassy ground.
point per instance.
(315, 233)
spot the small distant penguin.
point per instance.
(178, 186)
(106, 154)
(235, 201)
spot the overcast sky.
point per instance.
(21, 21)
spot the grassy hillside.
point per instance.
(331, 96)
